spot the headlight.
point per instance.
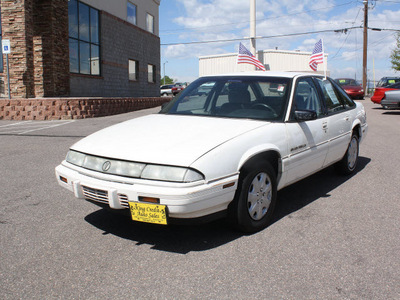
(133, 169)
(167, 173)
(75, 158)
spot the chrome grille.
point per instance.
(123, 200)
(95, 195)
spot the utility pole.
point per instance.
(164, 70)
(365, 46)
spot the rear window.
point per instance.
(387, 81)
(394, 86)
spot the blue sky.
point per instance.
(183, 21)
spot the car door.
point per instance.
(307, 140)
(338, 121)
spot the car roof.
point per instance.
(390, 77)
(266, 74)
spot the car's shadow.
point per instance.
(388, 111)
(306, 191)
(184, 238)
(391, 112)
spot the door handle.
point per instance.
(325, 126)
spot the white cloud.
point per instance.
(228, 19)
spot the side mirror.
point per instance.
(305, 115)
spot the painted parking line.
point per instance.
(31, 126)
(15, 124)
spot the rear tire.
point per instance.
(349, 161)
(255, 198)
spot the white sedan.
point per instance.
(225, 152)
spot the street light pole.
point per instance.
(164, 71)
(365, 46)
(253, 27)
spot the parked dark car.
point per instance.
(385, 81)
(352, 87)
(391, 100)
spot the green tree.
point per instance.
(395, 57)
(167, 80)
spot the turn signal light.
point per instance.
(63, 179)
(149, 199)
(228, 185)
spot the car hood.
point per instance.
(164, 139)
(352, 87)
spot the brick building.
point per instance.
(81, 48)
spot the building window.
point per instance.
(133, 70)
(1, 48)
(151, 73)
(1, 58)
(84, 38)
(150, 23)
(131, 13)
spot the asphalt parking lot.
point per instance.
(332, 237)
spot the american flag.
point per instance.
(317, 57)
(246, 57)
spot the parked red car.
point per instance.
(178, 87)
(380, 92)
(352, 87)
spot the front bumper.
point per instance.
(376, 99)
(183, 200)
(355, 95)
(390, 104)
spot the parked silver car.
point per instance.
(166, 90)
(391, 100)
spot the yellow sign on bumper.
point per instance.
(149, 213)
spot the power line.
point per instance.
(346, 36)
(397, 2)
(262, 37)
(373, 45)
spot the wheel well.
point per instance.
(357, 130)
(271, 157)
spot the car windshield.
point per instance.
(347, 82)
(250, 97)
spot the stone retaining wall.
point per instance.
(72, 108)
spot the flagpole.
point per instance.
(237, 62)
(323, 56)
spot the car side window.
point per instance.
(331, 96)
(395, 86)
(306, 96)
(344, 98)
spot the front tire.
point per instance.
(349, 161)
(255, 198)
